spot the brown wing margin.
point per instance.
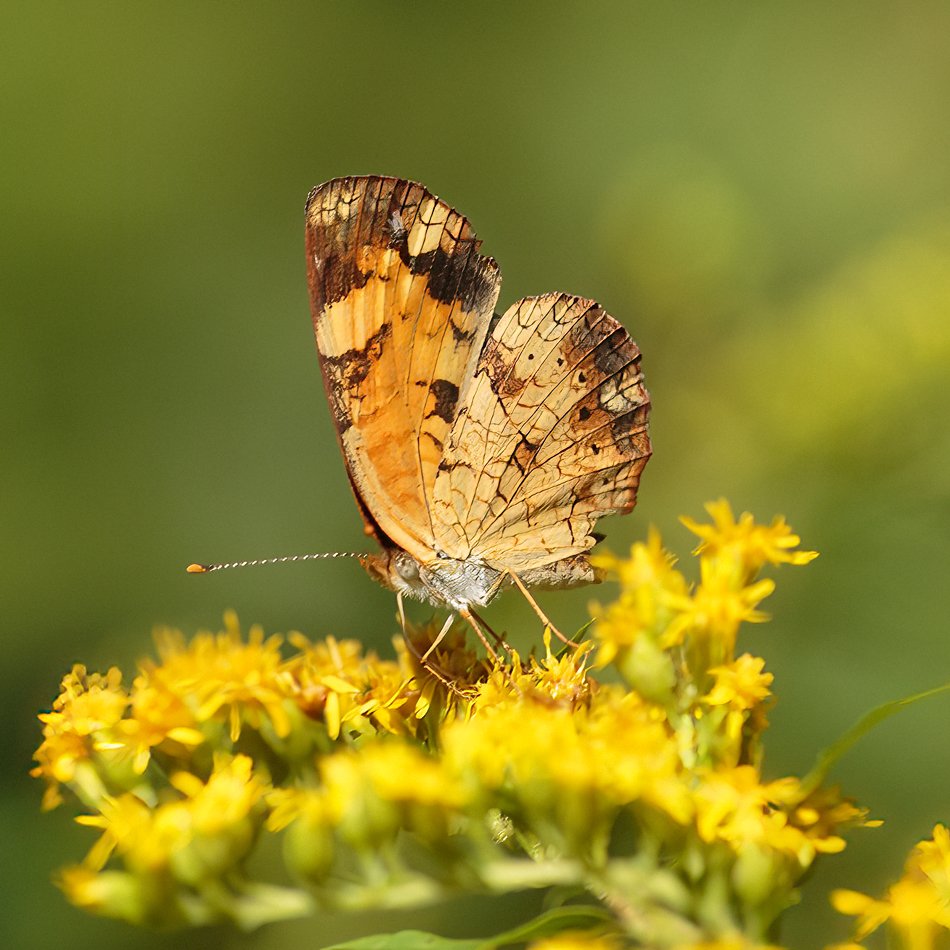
(401, 300)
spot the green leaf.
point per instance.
(570, 917)
(408, 940)
(860, 729)
(575, 917)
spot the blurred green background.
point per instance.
(759, 191)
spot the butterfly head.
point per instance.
(395, 569)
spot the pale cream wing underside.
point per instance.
(401, 301)
(551, 435)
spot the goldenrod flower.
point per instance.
(226, 798)
(736, 807)
(649, 565)
(81, 725)
(308, 818)
(917, 907)
(741, 684)
(561, 680)
(564, 771)
(107, 893)
(387, 785)
(128, 826)
(751, 545)
(151, 839)
(931, 858)
(721, 604)
(651, 589)
(334, 682)
(88, 703)
(731, 716)
(221, 677)
(325, 678)
(913, 910)
(393, 782)
(159, 717)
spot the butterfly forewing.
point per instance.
(401, 301)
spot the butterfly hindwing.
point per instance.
(551, 437)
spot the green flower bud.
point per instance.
(211, 855)
(649, 669)
(758, 875)
(309, 849)
(115, 894)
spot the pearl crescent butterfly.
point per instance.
(482, 448)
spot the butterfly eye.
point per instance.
(406, 567)
(441, 555)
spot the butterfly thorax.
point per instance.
(448, 582)
(444, 581)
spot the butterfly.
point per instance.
(482, 448)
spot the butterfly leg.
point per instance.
(445, 629)
(499, 640)
(466, 614)
(430, 668)
(537, 609)
(402, 615)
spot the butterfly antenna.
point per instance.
(208, 568)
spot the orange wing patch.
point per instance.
(401, 301)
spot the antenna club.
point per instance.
(208, 568)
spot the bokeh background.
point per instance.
(759, 191)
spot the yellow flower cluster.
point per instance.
(642, 786)
(915, 909)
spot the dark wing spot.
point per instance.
(459, 334)
(615, 352)
(334, 239)
(584, 414)
(589, 331)
(496, 364)
(460, 274)
(524, 454)
(353, 366)
(446, 396)
(345, 374)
